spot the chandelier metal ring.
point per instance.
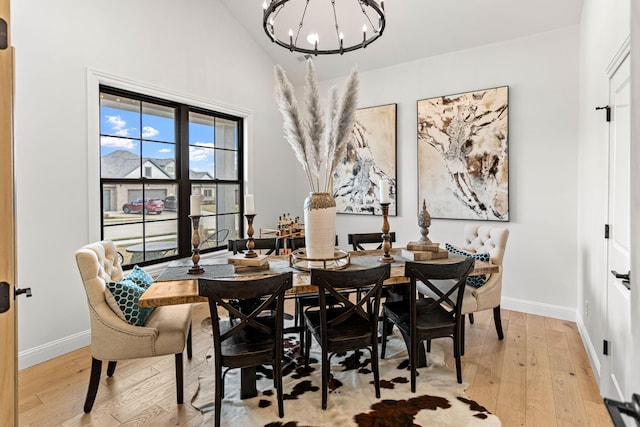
(370, 9)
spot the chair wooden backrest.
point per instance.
(358, 239)
(269, 244)
(450, 298)
(219, 293)
(332, 282)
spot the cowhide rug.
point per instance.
(438, 401)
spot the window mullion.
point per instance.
(184, 223)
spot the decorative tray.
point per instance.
(298, 259)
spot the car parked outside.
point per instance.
(149, 206)
(171, 203)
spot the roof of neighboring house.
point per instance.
(199, 175)
(121, 163)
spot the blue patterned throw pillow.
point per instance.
(127, 294)
(473, 281)
(140, 277)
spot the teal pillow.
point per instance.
(127, 294)
(140, 277)
(473, 281)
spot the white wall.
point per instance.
(541, 71)
(603, 30)
(194, 48)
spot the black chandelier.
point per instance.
(292, 23)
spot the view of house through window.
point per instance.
(153, 155)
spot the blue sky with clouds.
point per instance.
(120, 130)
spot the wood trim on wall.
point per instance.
(8, 327)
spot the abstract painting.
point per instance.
(370, 157)
(463, 157)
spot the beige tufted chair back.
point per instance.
(99, 263)
(483, 238)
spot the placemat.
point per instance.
(212, 271)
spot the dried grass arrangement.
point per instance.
(320, 140)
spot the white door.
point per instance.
(616, 385)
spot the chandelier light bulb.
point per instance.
(313, 38)
(264, 5)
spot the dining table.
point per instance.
(174, 285)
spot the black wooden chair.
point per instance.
(351, 326)
(357, 240)
(303, 301)
(423, 319)
(269, 244)
(247, 339)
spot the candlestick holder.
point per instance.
(250, 243)
(386, 244)
(195, 242)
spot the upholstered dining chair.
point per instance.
(492, 240)
(350, 325)
(164, 332)
(247, 339)
(423, 319)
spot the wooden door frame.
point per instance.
(8, 319)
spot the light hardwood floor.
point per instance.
(539, 375)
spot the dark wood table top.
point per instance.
(176, 286)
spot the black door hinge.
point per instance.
(606, 231)
(605, 347)
(5, 300)
(608, 108)
(4, 34)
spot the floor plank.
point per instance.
(539, 375)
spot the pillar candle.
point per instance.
(249, 205)
(195, 205)
(384, 191)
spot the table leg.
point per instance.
(248, 383)
(422, 355)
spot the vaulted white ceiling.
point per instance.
(418, 29)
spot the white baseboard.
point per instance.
(539, 308)
(50, 350)
(591, 350)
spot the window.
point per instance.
(154, 154)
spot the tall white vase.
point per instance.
(320, 225)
